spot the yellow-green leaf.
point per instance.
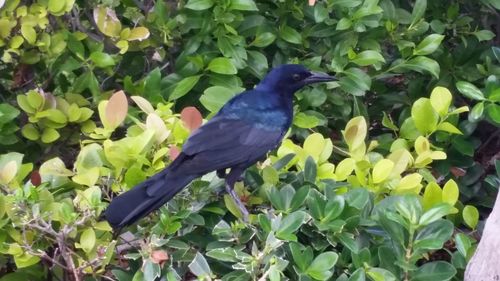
(56, 6)
(344, 169)
(314, 144)
(432, 195)
(8, 172)
(50, 135)
(355, 132)
(28, 33)
(441, 100)
(139, 33)
(448, 127)
(424, 116)
(422, 145)
(30, 132)
(87, 240)
(382, 170)
(450, 192)
(471, 216)
(107, 21)
(410, 182)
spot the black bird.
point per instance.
(245, 129)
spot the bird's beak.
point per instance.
(319, 77)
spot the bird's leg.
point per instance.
(231, 178)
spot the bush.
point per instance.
(99, 95)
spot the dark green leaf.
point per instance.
(469, 90)
(184, 86)
(493, 111)
(434, 271)
(310, 170)
(418, 11)
(290, 35)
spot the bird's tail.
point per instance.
(144, 198)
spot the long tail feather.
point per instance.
(144, 198)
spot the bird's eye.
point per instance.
(296, 77)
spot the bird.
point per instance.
(243, 131)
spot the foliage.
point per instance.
(99, 95)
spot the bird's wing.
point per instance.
(222, 143)
(225, 142)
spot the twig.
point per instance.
(75, 21)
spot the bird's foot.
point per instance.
(237, 200)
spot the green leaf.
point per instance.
(102, 59)
(433, 236)
(243, 5)
(199, 5)
(305, 121)
(263, 39)
(357, 198)
(343, 24)
(215, 97)
(424, 116)
(355, 81)
(74, 45)
(199, 266)
(441, 100)
(184, 86)
(87, 240)
(435, 213)
(368, 58)
(358, 275)
(418, 11)
(493, 111)
(428, 45)
(270, 175)
(223, 254)
(476, 112)
(469, 90)
(434, 271)
(321, 265)
(380, 274)
(290, 35)
(448, 127)
(463, 243)
(422, 64)
(484, 35)
(222, 66)
(290, 224)
(333, 208)
(471, 216)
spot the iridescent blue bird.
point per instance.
(245, 129)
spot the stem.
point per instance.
(409, 250)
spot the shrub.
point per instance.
(99, 95)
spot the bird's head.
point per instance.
(289, 78)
